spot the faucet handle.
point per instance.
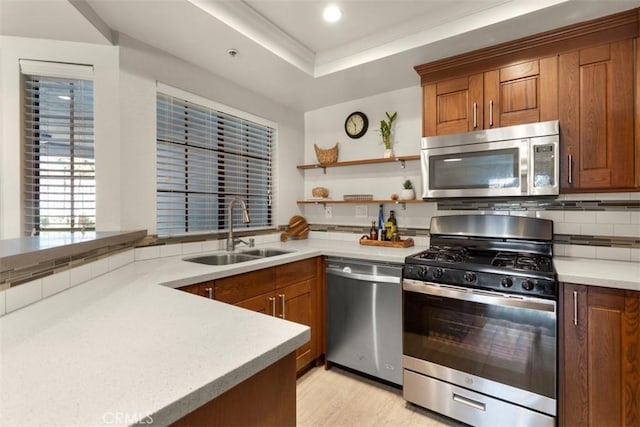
(252, 242)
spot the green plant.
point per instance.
(407, 185)
(385, 129)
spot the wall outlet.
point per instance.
(362, 211)
(328, 211)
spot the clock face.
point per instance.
(356, 124)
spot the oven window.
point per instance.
(481, 169)
(513, 346)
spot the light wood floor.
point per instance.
(336, 397)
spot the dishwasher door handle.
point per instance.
(364, 277)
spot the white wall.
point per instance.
(107, 135)
(141, 66)
(125, 119)
(325, 127)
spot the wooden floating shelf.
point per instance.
(360, 162)
(360, 202)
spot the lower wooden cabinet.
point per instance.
(204, 289)
(599, 362)
(268, 398)
(289, 291)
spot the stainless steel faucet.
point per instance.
(231, 242)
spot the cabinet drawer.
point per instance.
(296, 272)
(244, 286)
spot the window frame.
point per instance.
(80, 141)
(217, 221)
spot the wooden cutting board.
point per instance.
(298, 229)
(406, 243)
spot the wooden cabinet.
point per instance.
(599, 362)
(298, 285)
(596, 112)
(289, 291)
(204, 289)
(519, 93)
(267, 398)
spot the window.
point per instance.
(59, 161)
(205, 159)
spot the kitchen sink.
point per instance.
(265, 252)
(222, 259)
(235, 257)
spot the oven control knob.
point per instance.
(527, 285)
(422, 272)
(437, 273)
(506, 282)
(470, 276)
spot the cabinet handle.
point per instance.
(272, 300)
(570, 161)
(475, 115)
(490, 112)
(469, 402)
(209, 292)
(575, 308)
(283, 304)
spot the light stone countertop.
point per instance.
(611, 274)
(122, 345)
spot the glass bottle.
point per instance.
(380, 222)
(373, 232)
(391, 225)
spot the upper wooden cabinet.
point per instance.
(585, 75)
(516, 94)
(596, 102)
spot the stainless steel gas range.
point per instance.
(480, 321)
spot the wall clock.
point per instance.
(356, 124)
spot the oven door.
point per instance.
(500, 345)
(491, 169)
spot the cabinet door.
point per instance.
(521, 93)
(204, 289)
(599, 364)
(453, 106)
(596, 117)
(265, 304)
(296, 303)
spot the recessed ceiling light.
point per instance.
(65, 97)
(331, 13)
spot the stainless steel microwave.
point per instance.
(520, 160)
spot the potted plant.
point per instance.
(385, 131)
(407, 192)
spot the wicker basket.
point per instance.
(329, 155)
(320, 192)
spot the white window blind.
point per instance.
(59, 161)
(205, 159)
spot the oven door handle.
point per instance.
(479, 296)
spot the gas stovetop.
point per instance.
(481, 260)
(477, 257)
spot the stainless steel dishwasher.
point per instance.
(364, 317)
